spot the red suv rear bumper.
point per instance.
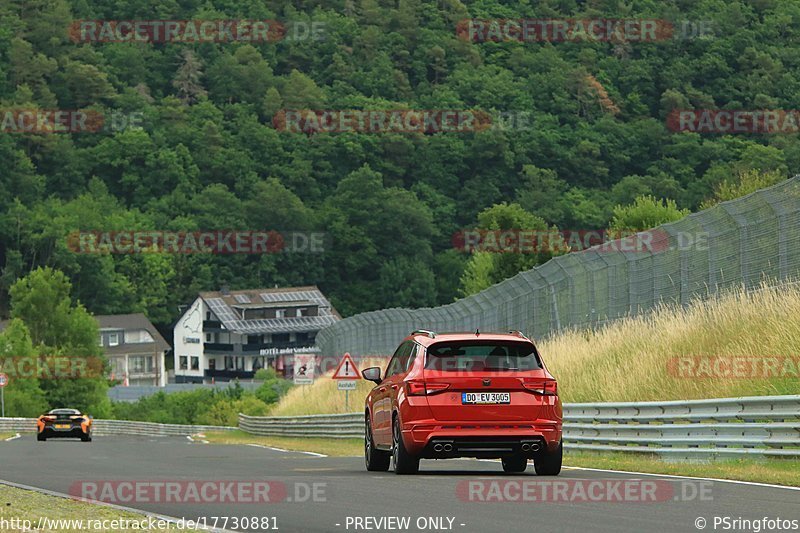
(421, 434)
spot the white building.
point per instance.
(225, 335)
(135, 349)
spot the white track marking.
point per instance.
(15, 437)
(734, 481)
(285, 451)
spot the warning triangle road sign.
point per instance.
(347, 369)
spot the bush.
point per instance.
(273, 387)
(214, 407)
(646, 212)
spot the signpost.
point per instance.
(346, 385)
(304, 365)
(346, 373)
(3, 383)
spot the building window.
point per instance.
(228, 362)
(138, 337)
(184, 362)
(113, 339)
(208, 337)
(195, 363)
(118, 367)
(141, 364)
(278, 338)
(101, 340)
(280, 313)
(299, 311)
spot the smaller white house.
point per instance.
(225, 335)
(134, 348)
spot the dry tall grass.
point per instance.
(628, 359)
(324, 397)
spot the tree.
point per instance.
(187, 78)
(746, 182)
(59, 328)
(23, 396)
(645, 213)
(301, 92)
(487, 267)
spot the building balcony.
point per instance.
(212, 324)
(227, 375)
(218, 347)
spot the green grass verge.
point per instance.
(331, 447)
(775, 471)
(21, 504)
(6, 435)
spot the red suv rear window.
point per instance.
(479, 356)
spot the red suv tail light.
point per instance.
(420, 388)
(545, 388)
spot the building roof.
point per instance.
(226, 305)
(132, 322)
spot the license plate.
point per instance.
(485, 397)
(62, 426)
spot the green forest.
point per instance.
(205, 154)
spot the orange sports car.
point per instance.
(64, 423)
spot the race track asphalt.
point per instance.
(443, 491)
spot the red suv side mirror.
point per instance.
(372, 373)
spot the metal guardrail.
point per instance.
(756, 425)
(759, 425)
(325, 426)
(119, 427)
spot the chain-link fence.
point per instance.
(741, 243)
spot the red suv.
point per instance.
(450, 395)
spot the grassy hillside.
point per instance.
(630, 360)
